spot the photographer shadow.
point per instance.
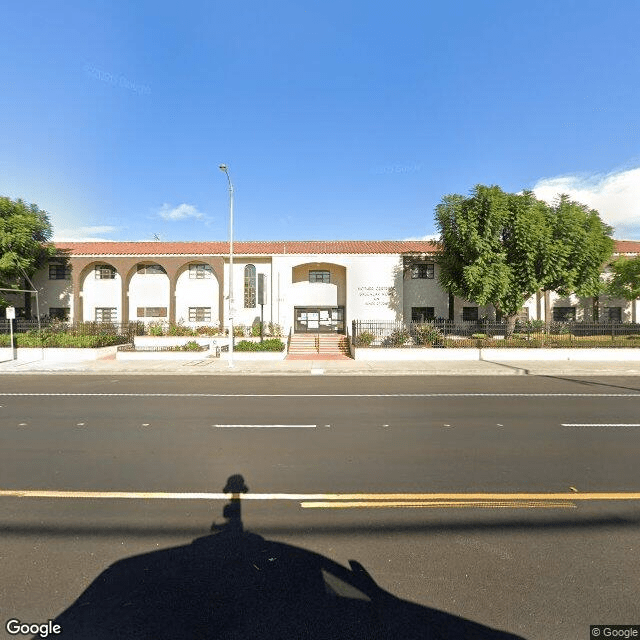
(233, 584)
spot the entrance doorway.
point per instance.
(318, 319)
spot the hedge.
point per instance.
(272, 344)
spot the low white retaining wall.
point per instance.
(176, 341)
(578, 354)
(497, 355)
(254, 355)
(56, 354)
(162, 355)
(433, 355)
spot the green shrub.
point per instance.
(255, 329)
(179, 329)
(397, 338)
(240, 331)
(271, 344)
(274, 329)
(208, 330)
(192, 345)
(156, 329)
(427, 334)
(64, 340)
(364, 339)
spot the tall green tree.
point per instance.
(25, 233)
(625, 282)
(500, 248)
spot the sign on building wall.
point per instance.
(374, 296)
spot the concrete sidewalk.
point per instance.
(110, 366)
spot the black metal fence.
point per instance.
(483, 334)
(153, 349)
(128, 329)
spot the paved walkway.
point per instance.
(110, 366)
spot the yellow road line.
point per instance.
(297, 497)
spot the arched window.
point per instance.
(249, 287)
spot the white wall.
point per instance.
(242, 315)
(51, 293)
(101, 293)
(425, 292)
(193, 292)
(148, 290)
(374, 288)
(306, 294)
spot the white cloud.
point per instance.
(429, 237)
(616, 196)
(182, 211)
(83, 234)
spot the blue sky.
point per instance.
(337, 120)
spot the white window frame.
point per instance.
(99, 314)
(199, 314)
(200, 271)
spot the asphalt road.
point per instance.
(542, 570)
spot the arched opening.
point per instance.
(319, 297)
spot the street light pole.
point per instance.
(223, 168)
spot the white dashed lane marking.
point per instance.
(265, 426)
(326, 395)
(599, 424)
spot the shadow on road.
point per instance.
(235, 584)
(592, 383)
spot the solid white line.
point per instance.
(264, 426)
(441, 504)
(167, 495)
(599, 424)
(328, 395)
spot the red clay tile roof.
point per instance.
(247, 248)
(253, 248)
(627, 246)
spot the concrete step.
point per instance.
(325, 344)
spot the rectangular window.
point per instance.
(470, 314)
(199, 314)
(150, 269)
(105, 272)
(199, 271)
(319, 276)
(422, 314)
(152, 312)
(59, 313)
(614, 314)
(422, 271)
(106, 314)
(564, 314)
(59, 271)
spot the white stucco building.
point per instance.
(308, 285)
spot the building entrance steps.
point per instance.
(313, 345)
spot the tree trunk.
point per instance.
(596, 308)
(547, 312)
(27, 300)
(511, 325)
(452, 316)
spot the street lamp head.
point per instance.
(223, 167)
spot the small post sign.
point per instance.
(262, 299)
(11, 316)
